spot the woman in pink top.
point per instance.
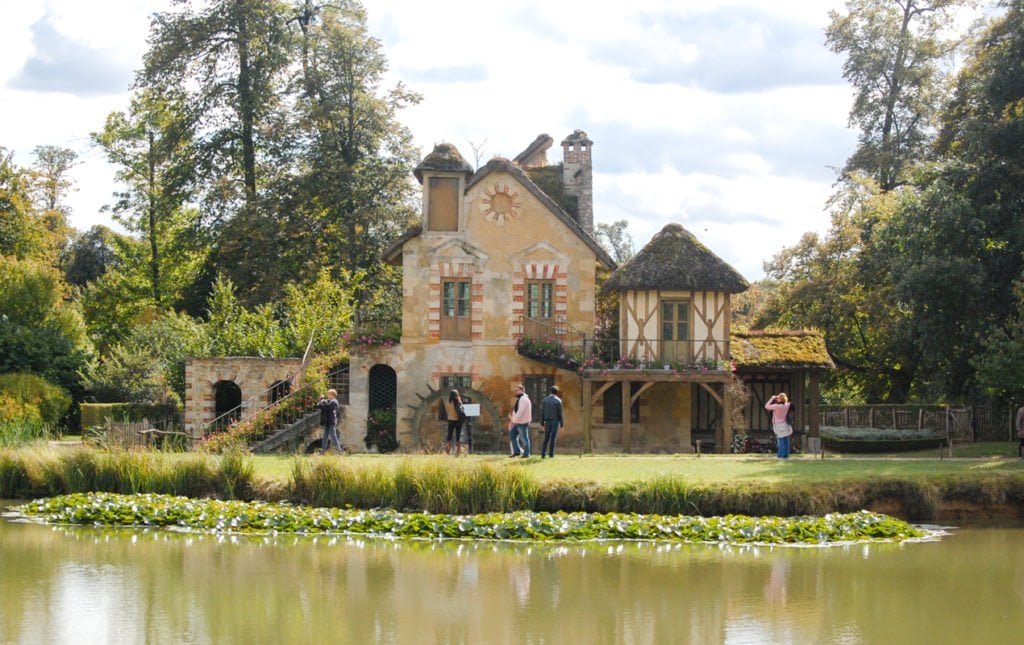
(779, 406)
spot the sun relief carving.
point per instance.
(501, 204)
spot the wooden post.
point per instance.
(815, 411)
(726, 420)
(627, 418)
(588, 414)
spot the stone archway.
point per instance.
(383, 403)
(279, 390)
(227, 402)
(430, 439)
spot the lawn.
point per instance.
(980, 458)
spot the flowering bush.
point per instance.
(549, 349)
(366, 339)
(380, 429)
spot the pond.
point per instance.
(85, 585)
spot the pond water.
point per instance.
(84, 585)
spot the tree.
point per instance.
(841, 285)
(51, 181)
(959, 252)
(89, 256)
(355, 196)
(17, 235)
(614, 239)
(227, 59)
(894, 53)
(41, 331)
(148, 366)
(151, 147)
(296, 158)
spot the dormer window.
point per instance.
(443, 204)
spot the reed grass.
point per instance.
(439, 484)
(434, 485)
(41, 471)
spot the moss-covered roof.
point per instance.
(674, 260)
(549, 180)
(500, 164)
(779, 349)
(446, 158)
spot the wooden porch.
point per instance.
(597, 382)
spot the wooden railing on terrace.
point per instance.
(569, 348)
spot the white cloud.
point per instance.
(723, 116)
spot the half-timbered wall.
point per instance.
(640, 324)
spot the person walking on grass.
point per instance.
(519, 424)
(329, 420)
(552, 421)
(779, 406)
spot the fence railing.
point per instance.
(292, 406)
(570, 348)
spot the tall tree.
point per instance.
(895, 51)
(356, 195)
(150, 145)
(17, 237)
(25, 230)
(51, 177)
(961, 253)
(228, 59)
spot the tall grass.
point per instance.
(21, 432)
(41, 471)
(435, 485)
(458, 486)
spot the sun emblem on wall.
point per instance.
(501, 204)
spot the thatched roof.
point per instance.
(779, 349)
(445, 158)
(674, 260)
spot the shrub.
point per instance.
(31, 391)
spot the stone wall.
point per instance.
(253, 376)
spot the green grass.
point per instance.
(918, 488)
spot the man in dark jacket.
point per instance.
(552, 421)
(329, 420)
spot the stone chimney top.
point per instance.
(577, 176)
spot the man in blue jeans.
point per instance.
(329, 420)
(552, 421)
(519, 424)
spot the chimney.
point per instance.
(577, 176)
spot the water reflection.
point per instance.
(81, 585)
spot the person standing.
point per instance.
(779, 406)
(552, 420)
(1020, 431)
(519, 423)
(329, 420)
(456, 415)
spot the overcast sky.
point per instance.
(727, 117)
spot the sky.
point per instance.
(728, 117)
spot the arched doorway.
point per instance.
(383, 402)
(279, 390)
(227, 403)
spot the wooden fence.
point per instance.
(139, 434)
(987, 422)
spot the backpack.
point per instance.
(791, 414)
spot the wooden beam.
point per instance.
(712, 392)
(627, 419)
(588, 414)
